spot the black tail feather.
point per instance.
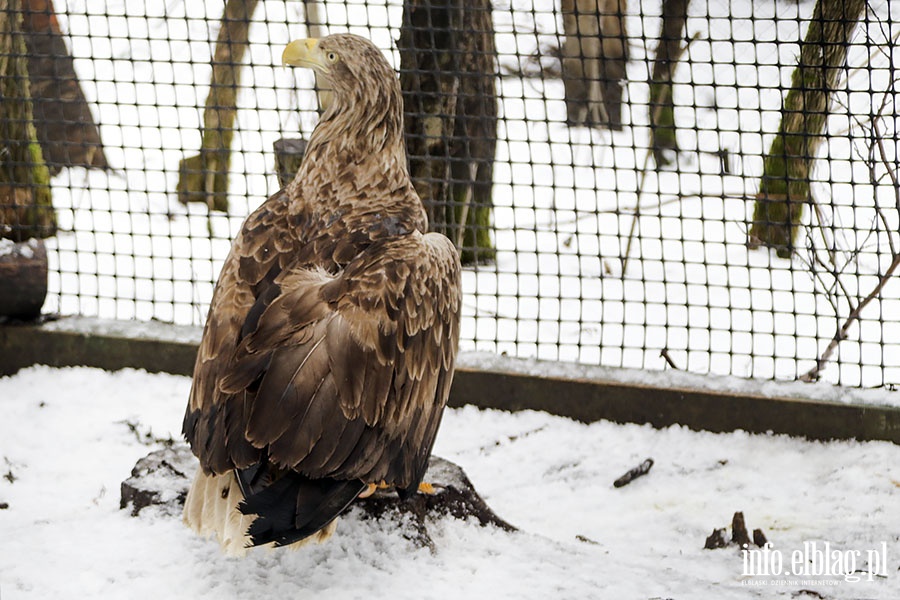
(295, 507)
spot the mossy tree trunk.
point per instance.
(663, 132)
(26, 209)
(784, 188)
(204, 177)
(447, 71)
(594, 60)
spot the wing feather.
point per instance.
(340, 375)
(295, 446)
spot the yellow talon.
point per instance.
(373, 487)
(368, 491)
(424, 488)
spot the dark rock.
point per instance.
(739, 534)
(759, 538)
(716, 539)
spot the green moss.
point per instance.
(784, 188)
(26, 206)
(663, 133)
(476, 246)
(204, 177)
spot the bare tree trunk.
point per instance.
(204, 177)
(594, 59)
(784, 188)
(663, 133)
(314, 21)
(447, 71)
(26, 209)
(62, 119)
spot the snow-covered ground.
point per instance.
(564, 206)
(69, 437)
(564, 197)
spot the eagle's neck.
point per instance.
(362, 127)
(356, 164)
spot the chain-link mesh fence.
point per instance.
(703, 185)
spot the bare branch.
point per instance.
(841, 334)
(877, 154)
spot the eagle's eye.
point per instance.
(331, 57)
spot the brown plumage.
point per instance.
(329, 348)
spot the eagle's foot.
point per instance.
(372, 488)
(424, 488)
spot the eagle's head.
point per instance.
(351, 66)
(362, 90)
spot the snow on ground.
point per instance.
(68, 439)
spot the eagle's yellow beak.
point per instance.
(304, 53)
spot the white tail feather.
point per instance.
(211, 508)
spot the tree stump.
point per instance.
(455, 497)
(162, 479)
(23, 273)
(289, 154)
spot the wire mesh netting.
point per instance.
(703, 185)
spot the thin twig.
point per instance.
(637, 216)
(664, 353)
(841, 334)
(643, 172)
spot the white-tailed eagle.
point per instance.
(328, 352)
